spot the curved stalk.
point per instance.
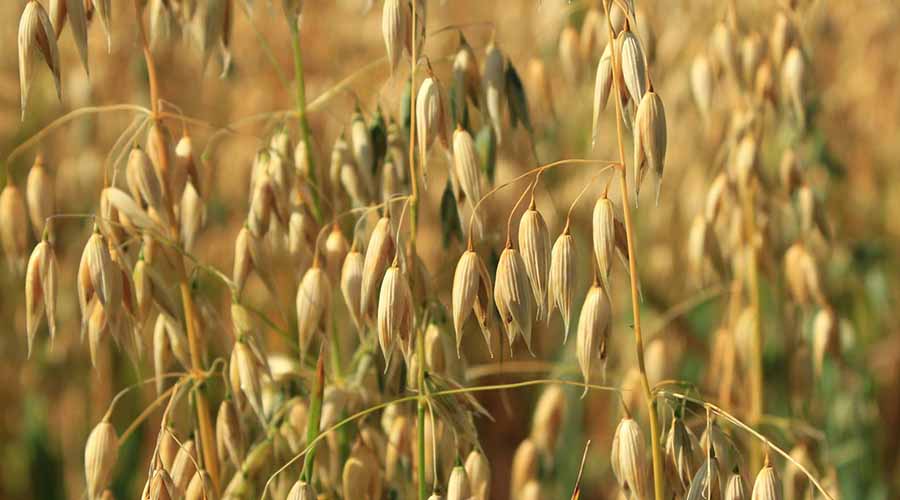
(303, 121)
(658, 478)
(204, 421)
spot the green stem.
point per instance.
(421, 403)
(303, 121)
(315, 417)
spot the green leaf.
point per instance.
(378, 133)
(405, 109)
(518, 101)
(486, 143)
(450, 224)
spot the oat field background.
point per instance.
(216, 327)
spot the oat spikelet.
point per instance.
(467, 165)
(792, 75)
(183, 466)
(561, 286)
(650, 137)
(458, 486)
(355, 478)
(104, 9)
(593, 330)
(40, 195)
(313, 305)
(431, 118)
(363, 152)
(702, 85)
(351, 287)
(394, 28)
(494, 83)
(302, 491)
(602, 88)
(628, 459)
(394, 313)
(534, 244)
(378, 255)
(706, 483)
(569, 57)
(100, 454)
(631, 64)
(478, 471)
(36, 38)
(604, 238)
(13, 227)
(735, 488)
(249, 377)
(40, 290)
(201, 487)
(767, 485)
(524, 467)
(513, 296)
(472, 289)
(549, 415)
(682, 456)
(465, 71)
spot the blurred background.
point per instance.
(847, 416)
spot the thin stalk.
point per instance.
(315, 417)
(302, 119)
(413, 226)
(204, 421)
(756, 366)
(658, 478)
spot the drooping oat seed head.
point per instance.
(735, 488)
(201, 487)
(682, 455)
(183, 468)
(549, 415)
(706, 483)
(602, 88)
(478, 471)
(13, 226)
(561, 285)
(395, 24)
(36, 39)
(594, 326)
(604, 238)
(100, 455)
(650, 140)
(431, 118)
(793, 73)
(524, 467)
(230, 440)
(629, 460)
(802, 274)
(302, 491)
(494, 83)
(40, 290)
(395, 320)
(378, 254)
(631, 64)
(351, 286)
(313, 305)
(513, 296)
(458, 487)
(40, 195)
(767, 485)
(534, 245)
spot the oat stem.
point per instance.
(302, 119)
(756, 365)
(204, 421)
(658, 479)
